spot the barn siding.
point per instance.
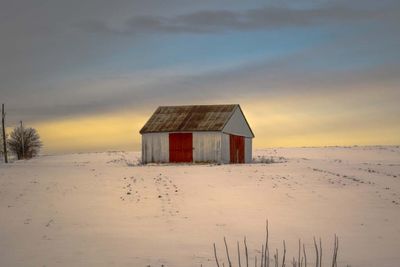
(225, 149)
(155, 147)
(248, 157)
(207, 147)
(225, 155)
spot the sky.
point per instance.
(87, 74)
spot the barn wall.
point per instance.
(207, 147)
(237, 125)
(248, 150)
(225, 155)
(155, 147)
(225, 149)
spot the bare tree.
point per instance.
(24, 142)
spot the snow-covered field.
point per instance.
(103, 209)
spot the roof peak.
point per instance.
(199, 105)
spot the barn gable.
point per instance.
(238, 125)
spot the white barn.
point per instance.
(202, 133)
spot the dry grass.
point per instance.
(264, 257)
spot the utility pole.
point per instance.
(3, 117)
(22, 140)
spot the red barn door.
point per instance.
(236, 144)
(181, 147)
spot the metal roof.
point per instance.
(189, 118)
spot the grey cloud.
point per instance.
(267, 79)
(216, 21)
(43, 60)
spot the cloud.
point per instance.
(50, 71)
(219, 21)
(286, 78)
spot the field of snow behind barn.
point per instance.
(105, 209)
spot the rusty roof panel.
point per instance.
(189, 118)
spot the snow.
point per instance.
(105, 209)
